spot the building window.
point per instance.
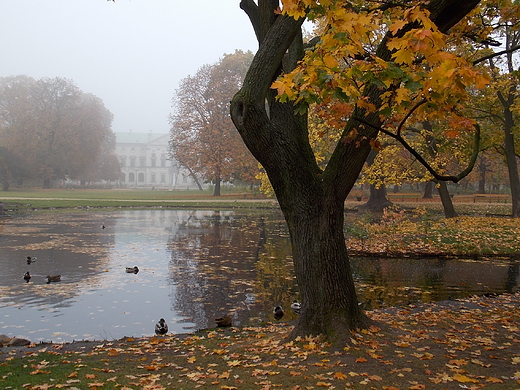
(132, 161)
(123, 177)
(153, 162)
(122, 159)
(142, 161)
(163, 160)
(131, 177)
(140, 177)
(163, 178)
(153, 178)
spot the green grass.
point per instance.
(39, 199)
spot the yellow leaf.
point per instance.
(330, 61)
(192, 359)
(464, 379)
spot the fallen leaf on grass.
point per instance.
(464, 379)
(340, 375)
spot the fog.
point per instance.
(131, 53)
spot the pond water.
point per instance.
(194, 266)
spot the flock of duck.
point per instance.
(161, 328)
(50, 279)
(57, 278)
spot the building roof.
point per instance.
(138, 138)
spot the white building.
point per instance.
(145, 162)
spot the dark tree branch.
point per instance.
(413, 152)
(419, 104)
(498, 53)
(251, 10)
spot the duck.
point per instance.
(223, 322)
(132, 270)
(103, 227)
(278, 313)
(30, 259)
(27, 276)
(55, 278)
(161, 327)
(296, 307)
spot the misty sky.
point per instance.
(131, 53)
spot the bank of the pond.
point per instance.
(472, 344)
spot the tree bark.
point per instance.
(312, 200)
(482, 170)
(428, 190)
(216, 190)
(378, 200)
(447, 204)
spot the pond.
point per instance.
(194, 266)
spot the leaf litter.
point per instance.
(464, 344)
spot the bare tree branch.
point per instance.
(411, 150)
(498, 53)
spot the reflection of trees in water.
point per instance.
(513, 271)
(212, 264)
(397, 282)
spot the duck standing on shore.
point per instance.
(161, 327)
(278, 313)
(296, 307)
(27, 276)
(223, 322)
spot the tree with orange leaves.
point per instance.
(380, 64)
(203, 138)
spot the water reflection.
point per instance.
(194, 266)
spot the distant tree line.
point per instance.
(51, 130)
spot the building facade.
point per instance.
(145, 162)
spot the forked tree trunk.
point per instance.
(312, 200)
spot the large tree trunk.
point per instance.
(482, 170)
(216, 190)
(312, 200)
(428, 190)
(447, 204)
(512, 165)
(377, 200)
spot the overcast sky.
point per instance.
(131, 53)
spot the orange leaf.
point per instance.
(339, 375)
(361, 360)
